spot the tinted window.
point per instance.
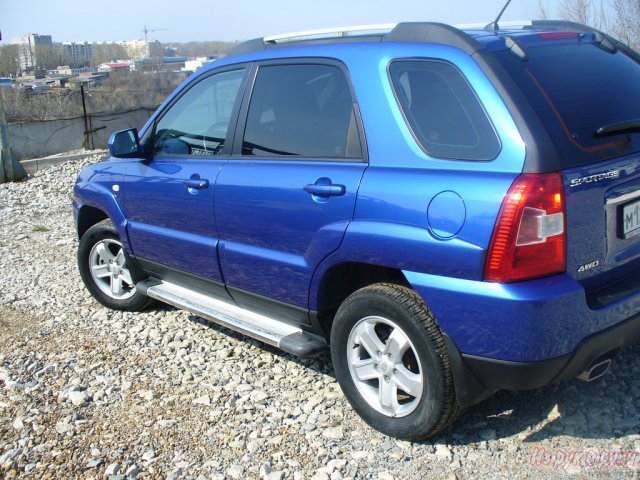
(197, 123)
(443, 112)
(302, 110)
(576, 89)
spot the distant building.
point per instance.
(86, 79)
(28, 48)
(79, 52)
(70, 71)
(114, 67)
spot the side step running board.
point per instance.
(261, 327)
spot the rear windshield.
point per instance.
(577, 89)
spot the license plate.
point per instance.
(631, 220)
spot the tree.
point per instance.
(627, 26)
(587, 12)
(9, 63)
(108, 52)
(50, 56)
(203, 49)
(623, 22)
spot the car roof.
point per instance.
(469, 38)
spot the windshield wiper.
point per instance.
(630, 126)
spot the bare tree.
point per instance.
(627, 26)
(543, 11)
(108, 52)
(622, 21)
(50, 56)
(587, 12)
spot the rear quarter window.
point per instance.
(442, 110)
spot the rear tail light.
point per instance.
(529, 239)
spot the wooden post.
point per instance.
(10, 169)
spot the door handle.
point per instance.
(197, 183)
(324, 188)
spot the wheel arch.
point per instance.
(87, 217)
(95, 202)
(340, 280)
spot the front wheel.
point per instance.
(103, 267)
(392, 363)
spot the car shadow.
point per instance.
(602, 409)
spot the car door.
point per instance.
(286, 196)
(169, 197)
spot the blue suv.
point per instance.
(450, 211)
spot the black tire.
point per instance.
(109, 281)
(387, 316)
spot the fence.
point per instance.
(39, 138)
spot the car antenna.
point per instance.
(494, 25)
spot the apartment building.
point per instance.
(28, 48)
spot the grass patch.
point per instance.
(39, 229)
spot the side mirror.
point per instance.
(125, 144)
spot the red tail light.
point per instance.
(529, 239)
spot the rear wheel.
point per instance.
(392, 363)
(104, 269)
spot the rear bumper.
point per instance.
(476, 377)
(524, 336)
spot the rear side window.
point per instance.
(443, 111)
(301, 110)
(577, 89)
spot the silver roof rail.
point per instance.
(331, 33)
(503, 25)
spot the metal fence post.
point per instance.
(87, 127)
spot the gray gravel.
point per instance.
(90, 393)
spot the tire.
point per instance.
(391, 361)
(102, 262)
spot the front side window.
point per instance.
(197, 123)
(443, 111)
(302, 110)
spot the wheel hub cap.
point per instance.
(385, 366)
(107, 265)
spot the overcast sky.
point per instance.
(94, 20)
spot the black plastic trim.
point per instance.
(196, 283)
(504, 375)
(303, 344)
(432, 32)
(541, 155)
(253, 45)
(469, 390)
(273, 308)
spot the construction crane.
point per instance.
(148, 30)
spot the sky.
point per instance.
(200, 20)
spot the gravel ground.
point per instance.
(90, 393)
